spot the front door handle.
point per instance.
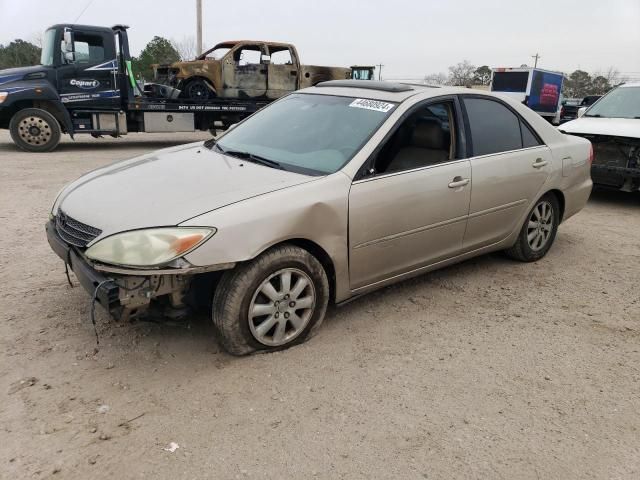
(539, 163)
(459, 182)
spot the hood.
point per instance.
(617, 127)
(16, 74)
(166, 188)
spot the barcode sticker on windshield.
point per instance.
(372, 105)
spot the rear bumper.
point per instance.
(90, 279)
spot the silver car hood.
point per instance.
(166, 188)
(617, 127)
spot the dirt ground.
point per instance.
(489, 369)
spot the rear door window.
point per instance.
(528, 137)
(494, 128)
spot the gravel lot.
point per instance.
(488, 369)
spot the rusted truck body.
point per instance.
(245, 69)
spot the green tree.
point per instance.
(578, 84)
(482, 75)
(599, 85)
(158, 50)
(19, 54)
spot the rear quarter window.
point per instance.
(494, 128)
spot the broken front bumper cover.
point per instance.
(107, 293)
(124, 292)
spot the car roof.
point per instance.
(630, 84)
(386, 91)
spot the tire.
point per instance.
(270, 327)
(536, 237)
(35, 130)
(198, 89)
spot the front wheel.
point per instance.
(538, 232)
(198, 89)
(273, 302)
(35, 130)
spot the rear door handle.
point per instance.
(539, 163)
(458, 182)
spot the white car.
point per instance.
(612, 124)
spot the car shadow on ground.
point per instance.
(614, 198)
(198, 331)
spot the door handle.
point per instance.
(293, 73)
(458, 182)
(539, 163)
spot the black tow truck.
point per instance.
(85, 85)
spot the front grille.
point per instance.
(74, 232)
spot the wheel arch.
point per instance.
(53, 107)
(561, 201)
(318, 252)
(207, 80)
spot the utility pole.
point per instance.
(536, 57)
(380, 71)
(198, 27)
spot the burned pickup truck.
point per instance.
(612, 124)
(245, 69)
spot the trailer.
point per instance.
(540, 90)
(85, 85)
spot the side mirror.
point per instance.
(581, 111)
(67, 40)
(265, 59)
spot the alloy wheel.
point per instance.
(540, 226)
(281, 307)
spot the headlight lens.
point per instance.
(3, 96)
(148, 248)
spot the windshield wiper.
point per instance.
(251, 157)
(597, 115)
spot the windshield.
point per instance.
(217, 53)
(623, 102)
(48, 42)
(307, 133)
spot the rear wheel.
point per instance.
(271, 303)
(35, 130)
(538, 232)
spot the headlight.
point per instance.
(3, 96)
(148, 248)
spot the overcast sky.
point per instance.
(411, 38)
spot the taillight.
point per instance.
(591, 154)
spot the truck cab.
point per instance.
(245, 69)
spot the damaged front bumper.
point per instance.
(616, 162)
(127, 293)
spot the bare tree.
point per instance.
(462, 73)
(37, 39)
(185, 47)
(435, 79)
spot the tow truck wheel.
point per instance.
(35, 130)
(199, 89)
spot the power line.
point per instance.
(83, 10)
